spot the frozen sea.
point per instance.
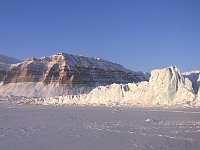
(36, 127)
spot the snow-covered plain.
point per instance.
(98, 128)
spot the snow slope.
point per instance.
(40, 90)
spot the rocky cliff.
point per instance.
(69, 69)
(62, 74)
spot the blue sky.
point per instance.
(139, 34)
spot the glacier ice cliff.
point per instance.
(166, 87)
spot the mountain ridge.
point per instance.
(69, 69)
(8, 60)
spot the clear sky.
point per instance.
(139, 34)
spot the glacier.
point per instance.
(60, 79)
(166, 87)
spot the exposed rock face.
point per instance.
(70, 70)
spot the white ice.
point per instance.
(98, 128)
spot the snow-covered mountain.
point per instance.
(5, 63)
(63, 74)
(8, 60)
(70, 69)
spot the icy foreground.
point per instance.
(98, 128)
